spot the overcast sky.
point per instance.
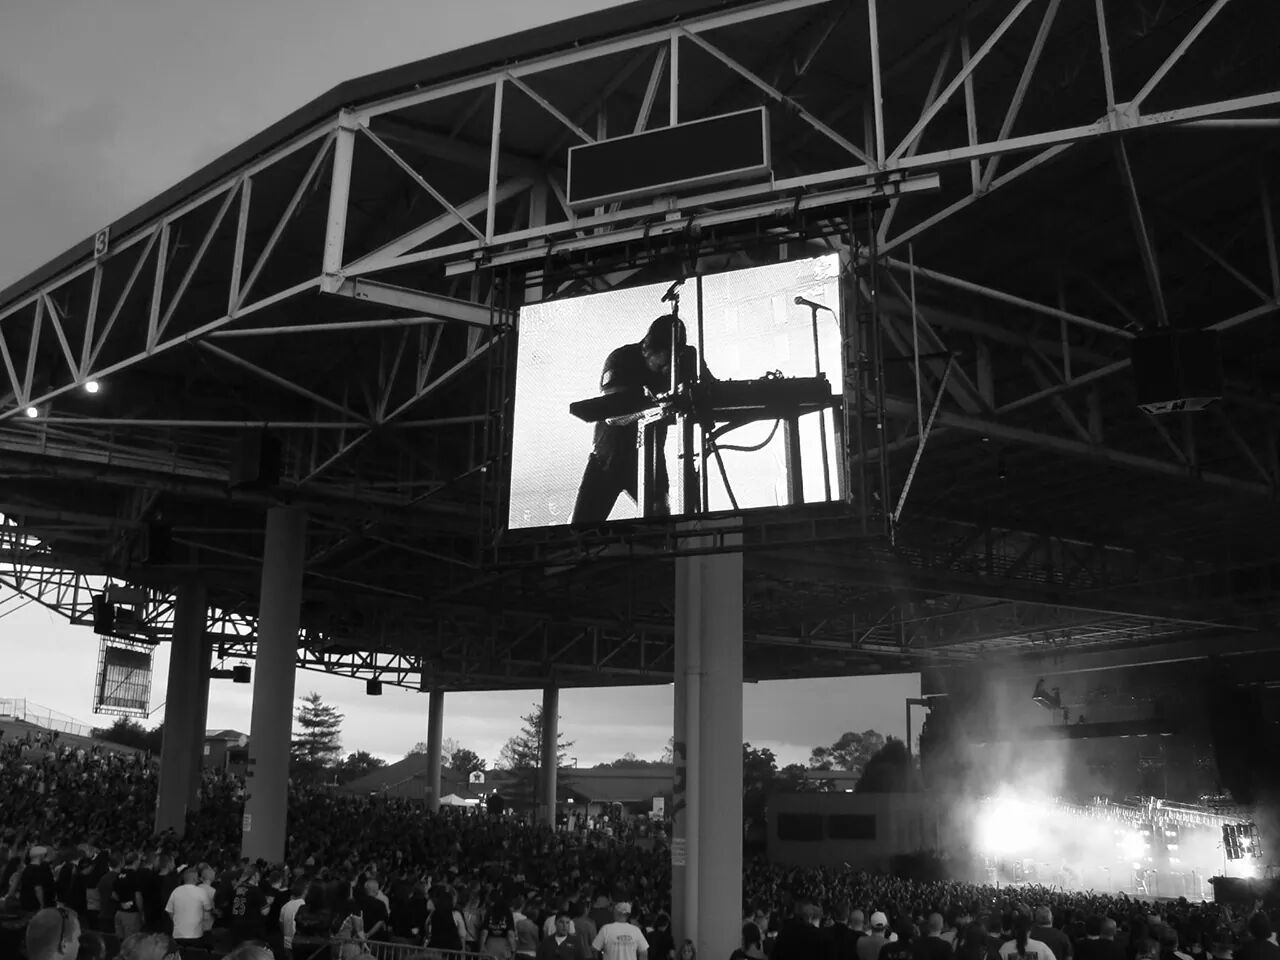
(103, 106)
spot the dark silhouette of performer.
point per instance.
(614, 463)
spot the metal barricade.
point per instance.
(342, 949)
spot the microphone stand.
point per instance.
(817, 369)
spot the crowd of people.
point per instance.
(81, 871)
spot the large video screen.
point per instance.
(717, 394)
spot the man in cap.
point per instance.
(53, 934)
(870, 945)
(621, 939)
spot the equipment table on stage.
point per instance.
(718, 405)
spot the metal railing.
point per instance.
(305, 948)
(36, 715)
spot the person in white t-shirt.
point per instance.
(622, 939)
(187, 906)
(289, 912)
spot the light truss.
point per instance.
(331, 144)
(286, 254)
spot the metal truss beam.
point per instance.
(898, 407)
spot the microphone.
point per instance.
(802, 302)
(673, 292)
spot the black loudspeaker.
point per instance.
(373, 688)
(255, 460)
(1176, 370)
(104, 616)
(241, 674)
(668, 160)
(157, 549)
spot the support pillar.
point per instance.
(706, 855)
(550, 754)
(180, 748)
(271, 724)
(435, 738)
(205, 656)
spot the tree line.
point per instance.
(882, 764)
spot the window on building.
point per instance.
(800, 827)
(206, 749)
(851, 826)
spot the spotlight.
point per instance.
(92, 386)
(1048, 700)
(33, 412)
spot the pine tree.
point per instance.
(522, 754)
(318, 745)
(524, 750)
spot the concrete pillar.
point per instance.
(435, 737)
(707, 809)
(201, 718)
(550, 759)
(180, 750)
(271, 724)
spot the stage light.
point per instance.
(33, 412)
(92, 386)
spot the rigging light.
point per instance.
(92, 386)
(33, 412)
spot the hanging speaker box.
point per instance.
(1176, 370)
(255, 460)
(668, 160)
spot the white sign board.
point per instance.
(679, 852)
(477, 776)
(659, 806)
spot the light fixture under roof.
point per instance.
(33, 412)
(92, 386)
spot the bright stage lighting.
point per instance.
(1005, 825)
(1132, 845)
(33, 412)
(1249, 870)
(92, 386)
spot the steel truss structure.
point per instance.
(1018, 190)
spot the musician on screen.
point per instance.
(614, 462)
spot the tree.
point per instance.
(466, 762)
(523, 755)
(669, 752)
(448, 747)
(851, 752)
(524, 750)
(357, 765)
(130, 733)
(628, 761)
(318, 745)
(891, 770)
(759, 770)
(795, 778)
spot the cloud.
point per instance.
(59, 175)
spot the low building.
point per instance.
(226, 750)
(407, 779)
(863, 830)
